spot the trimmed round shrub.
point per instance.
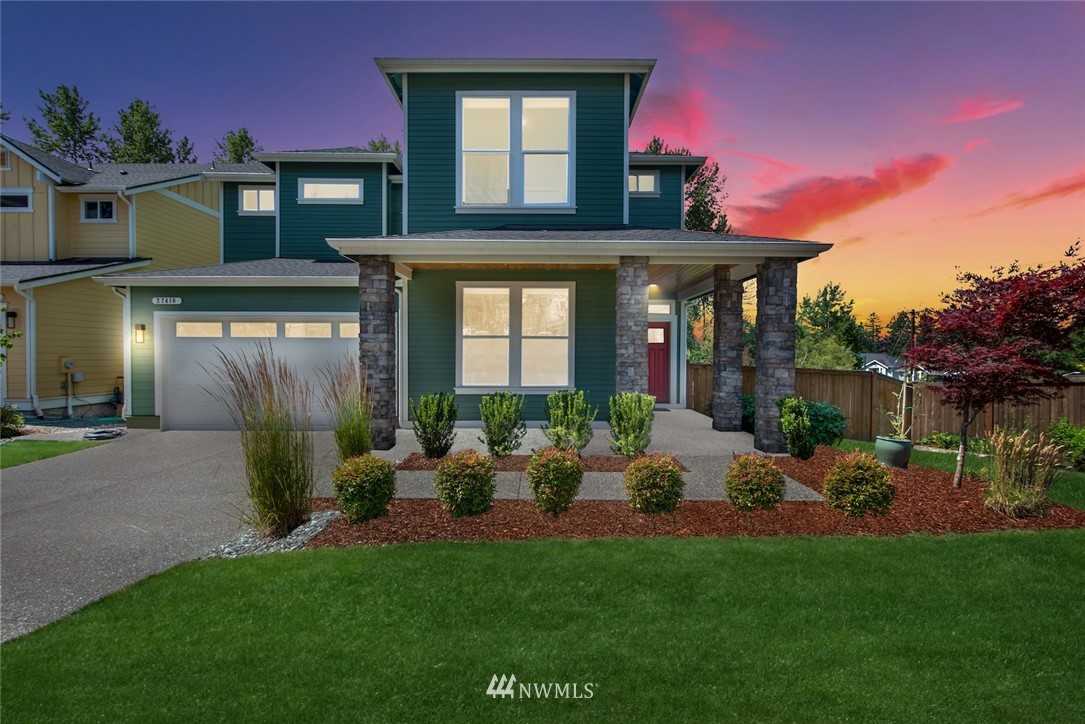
(465, 483)
(11, 421)
(654, 483)
(364, 486)
(754, 482)
(858, 485)
(554, 476)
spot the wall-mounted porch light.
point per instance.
(10, 319)
(140, 333)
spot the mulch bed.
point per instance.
(926, 501)
(518, 463)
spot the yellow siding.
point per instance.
(24, 236)
(173, 234)
(15, 367)
(96, 239)
(202, 192)
(61, 218)
(80, 319)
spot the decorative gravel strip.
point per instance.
(253, 543)
(518, 463)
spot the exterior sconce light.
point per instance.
(10, 318)
(140, 333)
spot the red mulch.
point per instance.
(518, 463)
(925, 501)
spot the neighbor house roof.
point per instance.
(26, 275)
(886, 360)
(260, 272)
(340, 154)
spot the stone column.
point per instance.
(377, 343)
(776, 300)
(727, 350)
(631, 310)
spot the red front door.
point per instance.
(659, 360)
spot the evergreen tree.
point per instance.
(704, 191)
(831, 314)
(67, 128)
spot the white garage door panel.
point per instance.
(189, 363)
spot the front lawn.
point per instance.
(966, 628)
(18, 452)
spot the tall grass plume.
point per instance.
(346, 400)
(1021, 472)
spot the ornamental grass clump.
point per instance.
(1020, 473)
(503, 426)
(753, 482)
(631, 416)
(465, 483)
(554, 477)
(858, 485)
(346, 400)
(568, 420)
(434, 421)
(795, 424)
(269, 403)
(654, 484)
(364, 487)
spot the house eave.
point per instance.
(72, 276)
(228, 281)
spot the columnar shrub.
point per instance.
(654, 484)
(434, 423)
(827, 423)
(631, 415)
(568, 420)
(346, 399)
(795, 424)
(857, 485)
(465, 483)
(554, 476)
(11, 421)
(503, 426)
(364, 486)
(1072, 441)
(752, 482)
(1021, 470)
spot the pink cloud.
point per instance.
(973, 109)
(679, 118)
(1055, 190)
(804, 205)
(699, 30)
(772, 171)
(973, 145)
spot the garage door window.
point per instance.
(199, 329)
(266, 330)
(349, 329)
(308, 330)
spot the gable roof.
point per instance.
(57, 168)
(29, 274)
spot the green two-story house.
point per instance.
(516, 244)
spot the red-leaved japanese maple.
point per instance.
(994, 340)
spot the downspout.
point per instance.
(131, 223)
(127, 322)
(31, 349)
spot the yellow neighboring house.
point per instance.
(60, 224)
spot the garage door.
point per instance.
(191, 349)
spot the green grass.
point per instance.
(1068, 489)
(19, 452)
(986, 627)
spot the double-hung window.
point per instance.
(514, 336)
(516, 150)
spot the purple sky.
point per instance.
(916, 136)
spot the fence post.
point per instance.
(873, 416)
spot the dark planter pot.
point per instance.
(892, 452)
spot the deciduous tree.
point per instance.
(381, 144)
(67, 128)
(237, 146)
(140, 137)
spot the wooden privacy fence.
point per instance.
(864, 396)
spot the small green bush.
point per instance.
(949, 441)
(749, 413)
(1072, 441)
(795, 424)
(827, 423)
(554, 476)
(1021, 471)
(434, 423)
(503, 426)
(465, 483)
(858, 485)
(754, 482)
(364, 486)
(654, 484)
(11, 421)
(631, 415)
(568, 420)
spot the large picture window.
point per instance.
(515, 150)
(514, 336)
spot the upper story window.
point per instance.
(256, 199)
(515, 150)
(16, 199)
(330, 191)
(5, 160)
(644, 183)
(98, 211)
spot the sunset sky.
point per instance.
(915, 136)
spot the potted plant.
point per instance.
(895, 450)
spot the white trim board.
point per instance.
(174, 196)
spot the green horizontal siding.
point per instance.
(304, 228)
(245, 238)
(431, 147)
(395, 208)
(431, 325)
(218, 299)
(664, 211)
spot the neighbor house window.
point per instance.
(98, 211)
(256, 199)
(516, 150)
(644, 183)
(515, 336)
(329, 191)
(5, 160)
(16, 200)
